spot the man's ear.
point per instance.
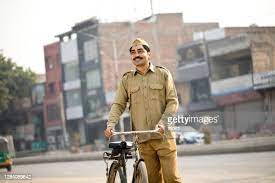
(149, 53)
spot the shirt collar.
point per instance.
(151, 68)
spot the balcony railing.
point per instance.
(192, 71)
(70, 85)
(74, 112)
(231, 85)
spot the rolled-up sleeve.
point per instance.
(119, 104)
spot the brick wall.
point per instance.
(262, 46)
(53, 74)
(164, 33)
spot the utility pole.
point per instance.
(151, 4)
(115, 58)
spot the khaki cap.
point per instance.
(139, 41)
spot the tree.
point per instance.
(15, 82)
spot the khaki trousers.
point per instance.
(160, 156)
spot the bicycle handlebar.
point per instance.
(135, 132)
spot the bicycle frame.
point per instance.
(121, 154)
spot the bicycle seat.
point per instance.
(121, 145)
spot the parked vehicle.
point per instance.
(193, 137)
(179, 138)
(189, 135)
(6, 152)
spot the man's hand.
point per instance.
(109, 132)
(160, 128)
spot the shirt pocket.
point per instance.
(156, 91)
(135, 94)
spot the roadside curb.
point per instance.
(259, 144)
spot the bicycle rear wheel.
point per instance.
(116, 174)
(141, 176)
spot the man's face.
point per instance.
(139, 55)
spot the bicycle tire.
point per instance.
(115, 167)
(141, 175)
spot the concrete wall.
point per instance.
(244, 117)
(262, 49)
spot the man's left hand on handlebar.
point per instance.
(160, 128)
(109, 132)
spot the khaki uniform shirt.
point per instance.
(152, 99)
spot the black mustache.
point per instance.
(137, 57)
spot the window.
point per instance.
(200, 90)
(232, 67)
(38, 94)
(93, 104)
(71, 71)
(73, 98)
(90, 50)
(192, 53)
(93, 79)
(51, 88)
(53, 112)
(49, 63)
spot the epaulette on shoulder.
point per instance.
(162, 67)
(127, 73)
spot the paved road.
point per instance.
(227, 168)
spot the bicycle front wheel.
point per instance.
(141, 175)
(116, 174)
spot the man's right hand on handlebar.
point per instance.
(109, 132)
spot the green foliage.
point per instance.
(15, 82)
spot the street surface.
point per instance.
(227, 168)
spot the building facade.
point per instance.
(36, 115)
(163, 32)
(53, 101)
(84, 98)
(93, 57)
(239, 79)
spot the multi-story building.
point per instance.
(53, 101)
(240, 77)
(29, 132)
(193, 78)
(164, 32)
(36, 114)
(94, 56)
(263, 68)
(82, 80)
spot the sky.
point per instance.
(27, 25)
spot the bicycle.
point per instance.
(121, 151)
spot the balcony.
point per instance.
(70, 85)
(231, 85)
(228, 45)
(192, 71)
(74, 112)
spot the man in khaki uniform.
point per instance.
(152, 96)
